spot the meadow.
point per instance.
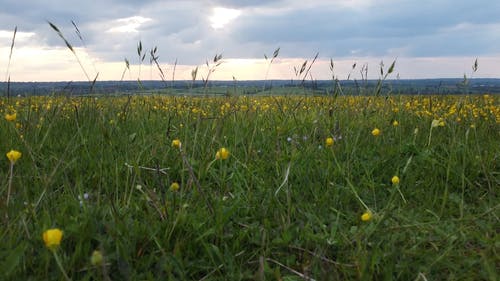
(297, 187)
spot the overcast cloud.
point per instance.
(343, 30)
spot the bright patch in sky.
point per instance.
(130, 24)
(7, 34)
(223, 16)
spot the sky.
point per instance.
(426, 38)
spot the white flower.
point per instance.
(435, 123)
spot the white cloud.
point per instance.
(130, 24)
(222, 16)
(8, 34)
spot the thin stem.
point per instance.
(349, 183)
(11, 175)
(196, 182)
(59, 264)
(430, 137)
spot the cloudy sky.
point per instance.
(427, 38)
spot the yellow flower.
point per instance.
(96, 258)
(329, 141)
(222, 154)
(395, 180)
(11, 117)
(176, 143)
(52, 238)
(366, 216)
(174, 186)
(376, 132)
(13, 156)
(395, 123)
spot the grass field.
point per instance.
(315, 188)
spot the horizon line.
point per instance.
(255, 80)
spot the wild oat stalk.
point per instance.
(154, 58)
(141, 60)
(275, 55)
(10, 54)
(127, 67)
(305, 70)
(336, 83)
(465, 81)
(79, 34)
(383, 76)
(7, 75)
(70, 47)
(173, 73)
(211, 69)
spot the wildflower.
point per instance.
(11, 117)
(96, 258)
(174, 186)
(395, 123)
(82, 199)
(366, 216)
(329, 142)
(222, 154)
(376, 132)
(395, 180)
(176, 143)
(13, 156)
(52, 238)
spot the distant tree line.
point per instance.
(349, 87)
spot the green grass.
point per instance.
(281, 207)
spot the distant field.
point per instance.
(240, 187)
(258, 87)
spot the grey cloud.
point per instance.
(373, 31)
(181, 29)
(244, 3)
